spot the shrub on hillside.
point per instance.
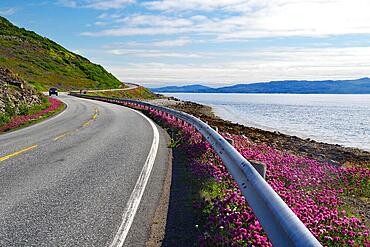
(23, 110)
(35, 112)
(4, 118)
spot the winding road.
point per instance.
(91, 176)
(129, 86)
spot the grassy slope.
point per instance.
(50, 114)
(136, 93)
(44, 63)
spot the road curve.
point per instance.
(130, 86)
(69, 180)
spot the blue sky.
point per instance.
(213, 42)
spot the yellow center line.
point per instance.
(55, 139)
(19, 152)
(96, 113)
(61, 136)
(84, 125)
(93, 118)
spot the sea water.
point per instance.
(332, 118)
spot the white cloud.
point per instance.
(68, 3)
(160, 25)
(265, 65)
(220, 21)
(96, 4)
(146, 25)
(100, 23)
(303, 18)
(152, 43)
(156, 20)
(206, 5)
(154, 53)
(172, 43)
(111, 4)
(109, 16)
(8, 11)
(132, 32)
(241, 19)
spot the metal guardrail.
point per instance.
(280, 223)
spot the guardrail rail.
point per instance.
(282, 226)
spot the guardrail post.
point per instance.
(260, 167)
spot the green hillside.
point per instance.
(44, 63)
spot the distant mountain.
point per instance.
(359, 86)
(44, 63)
(184, 89)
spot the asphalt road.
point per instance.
(130, 86)
(69, 180)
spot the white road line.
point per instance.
(136, 195)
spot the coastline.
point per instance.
(320, 151)
(226, 114)
(335, 178)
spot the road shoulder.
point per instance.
(146, 216)
(158, 226)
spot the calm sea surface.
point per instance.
(339, 119)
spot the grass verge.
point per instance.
(30, 115)
(135, 93)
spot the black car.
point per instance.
(52, 91)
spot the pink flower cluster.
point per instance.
(312, 189)
(19, 120)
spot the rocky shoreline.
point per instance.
(320, 151)
(311, 188)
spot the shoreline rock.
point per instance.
(332, 153)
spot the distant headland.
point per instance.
(357, 86)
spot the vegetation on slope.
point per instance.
(16, 96)
(45, 64)
(30, 115)
(135, 93)
(20, 104)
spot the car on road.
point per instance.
(52, 91)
